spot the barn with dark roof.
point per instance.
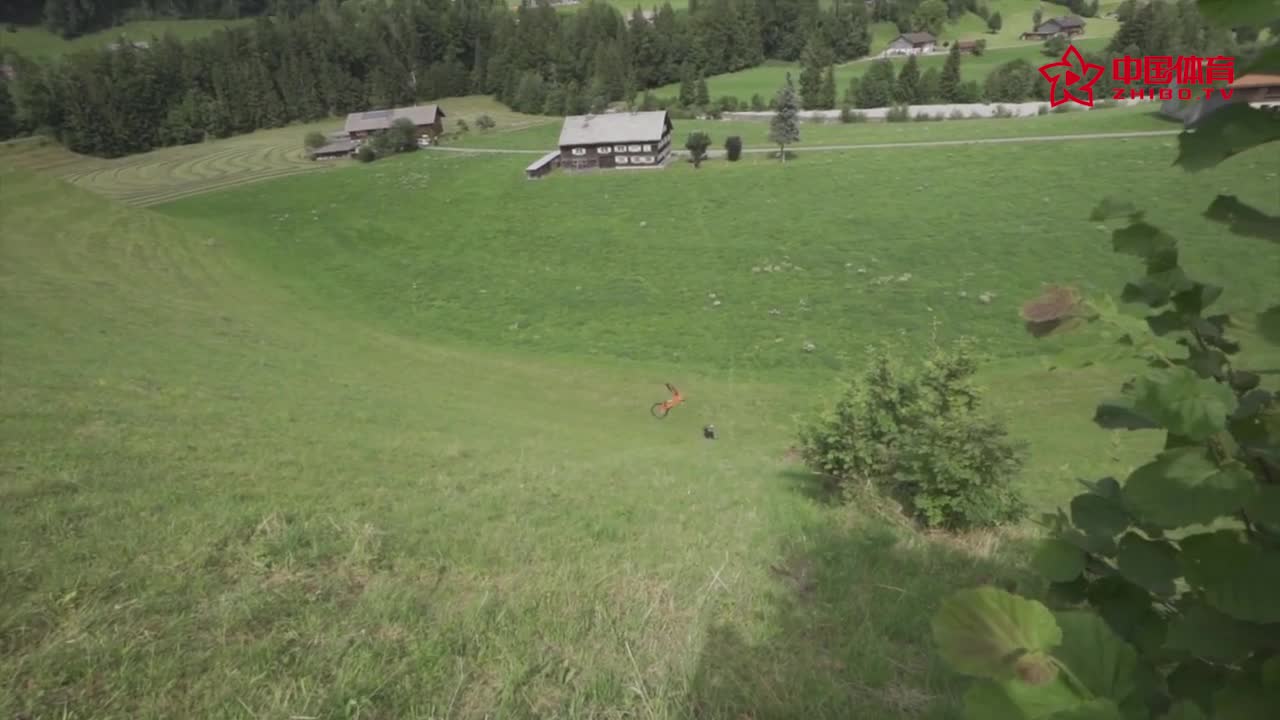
(427, 119)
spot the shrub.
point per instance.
(366, 154)
(733, 148)
(697, 144)
(757, 103)
(315, 139)
(1054, 46)
(956, 114)
(462, 127)
(1042, 110)
(916, 433)
(728, 103)
(484, 122)
(849, 115)
(898, 113)
(1003, 112)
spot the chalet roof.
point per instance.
(1053, 25)
(967, 43)
(614, 128)
(137, 44)
(382, 119)
(336, 147)
(542, 161)
(1256, 80)
(918, 38)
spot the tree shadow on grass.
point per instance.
(847, 630)
(819, 488)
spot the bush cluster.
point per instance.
(916, 433)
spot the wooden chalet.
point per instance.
(916, 43)
(616, 141)
(1065, 26)
(967, 47)
(1258, 89)
(427, 119)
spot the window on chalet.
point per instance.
(648, 148)
(633, 148)
(619, 148)
(579, 151)
(604, 149)
(622, 159)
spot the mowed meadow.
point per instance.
(374, 442)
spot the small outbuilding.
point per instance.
(916, 43)
(543, 165)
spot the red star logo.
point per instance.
(1071, 69)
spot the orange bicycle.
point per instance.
(661, 409)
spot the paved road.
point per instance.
(875, 146)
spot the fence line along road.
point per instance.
(871, 146)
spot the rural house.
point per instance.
(1260, 90)
(912, 44)
(427, 119)
(619, 140)
(969, 47)
(1067, 26)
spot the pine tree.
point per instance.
(876, 88)
(702, 96)
(688, 86)
(784, 128)
(949, 89)
(8, 116)
(553, 103)
(815, 59)
(573, 103)
(1036, 17)
(907, 89)
(828, 98)
(929, 82)
(995, 22)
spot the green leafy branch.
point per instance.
(1164, 589)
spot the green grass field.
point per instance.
(36, 42)
(374, 442)
(767, 78)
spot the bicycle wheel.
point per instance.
(659, 410)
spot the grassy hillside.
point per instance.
(219, 499)
(37, 42)
(766, 79)
(375, 442)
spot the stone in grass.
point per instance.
(986, 297)
(809, 346)
(904, 277)
(715, 304)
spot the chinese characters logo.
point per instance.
(1072, 78)
(1069, 76)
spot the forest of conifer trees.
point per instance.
(304, 60)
